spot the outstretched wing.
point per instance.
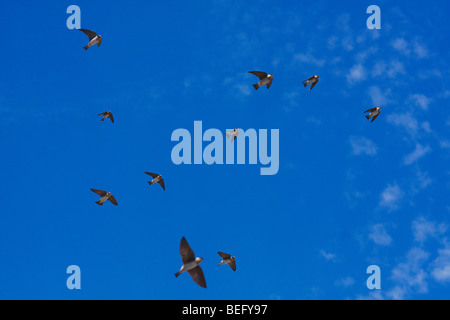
(269, 84)
(224, 255)
(153, 175)
(313, 85)
(374, 117)
(260, 74)
(161, 182)
(89, 33)
(187, 255)
(232, 264)
(111, 117)
(371, 109)
(113, 200)
(101, 193)
(197, 276)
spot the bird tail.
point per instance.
(150, 183)
(368, 116)
(228, 134)
(256, 86)
(305, 84)
(85, 47)
(99, 203)
(177, 274)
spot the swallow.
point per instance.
(191, 264)
(107, 114)
(265, 79)
(104, 196)
(94, 39)
(157, 178)
(311, 81)
(227, 259)
(233, 133)
(374, 112)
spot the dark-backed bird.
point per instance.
(107, 114)
(311, 81)
(157, 178)
(374, 112)
(94, 39)
(264, 79)
(104, 196)
(227, 259)
(191, 264)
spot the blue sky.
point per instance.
(348, 194)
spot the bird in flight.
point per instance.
(104, 197)
(311, 81)
(94, 39)
(265, 79)
(232, 133)
(227, 259)
(107, 114)
(191, 264)
(374, 112)
(157, 178)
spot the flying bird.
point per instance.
(374, 112)
(233, 133)
(94, 39)
(265, 79)
(227, 259)
(191, 264)
(311, 81)
(107, 114)
(104, 197)
(157, 178)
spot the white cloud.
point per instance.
(405, 120)
(378, 98)
(441, 266)
(357, 73)
(418, 153)
(362, 145)
(391, 196)
(328, 256)
(421, 101)
(423, 229)
(401, 45)
(379, 235)
(345, 282)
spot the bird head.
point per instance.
(317, 77)
(198, 260)
(270, 76)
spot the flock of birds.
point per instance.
(191, 263)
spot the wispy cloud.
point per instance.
(379, 235)
(362, 145)
(418, 153)
(423, 229)
(390, 197)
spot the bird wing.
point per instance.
(269, 84)
(371, 109)
(232, 265)
(111, 117)
(198, 276)
(101, 193)
(260, 74)
(89, 33)
(187, 255)
(161, 182)
(224, 255)
(102, 114)
(153, 175)
(233, 138)
(374, 117)
(313, 85)
(113, 200)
